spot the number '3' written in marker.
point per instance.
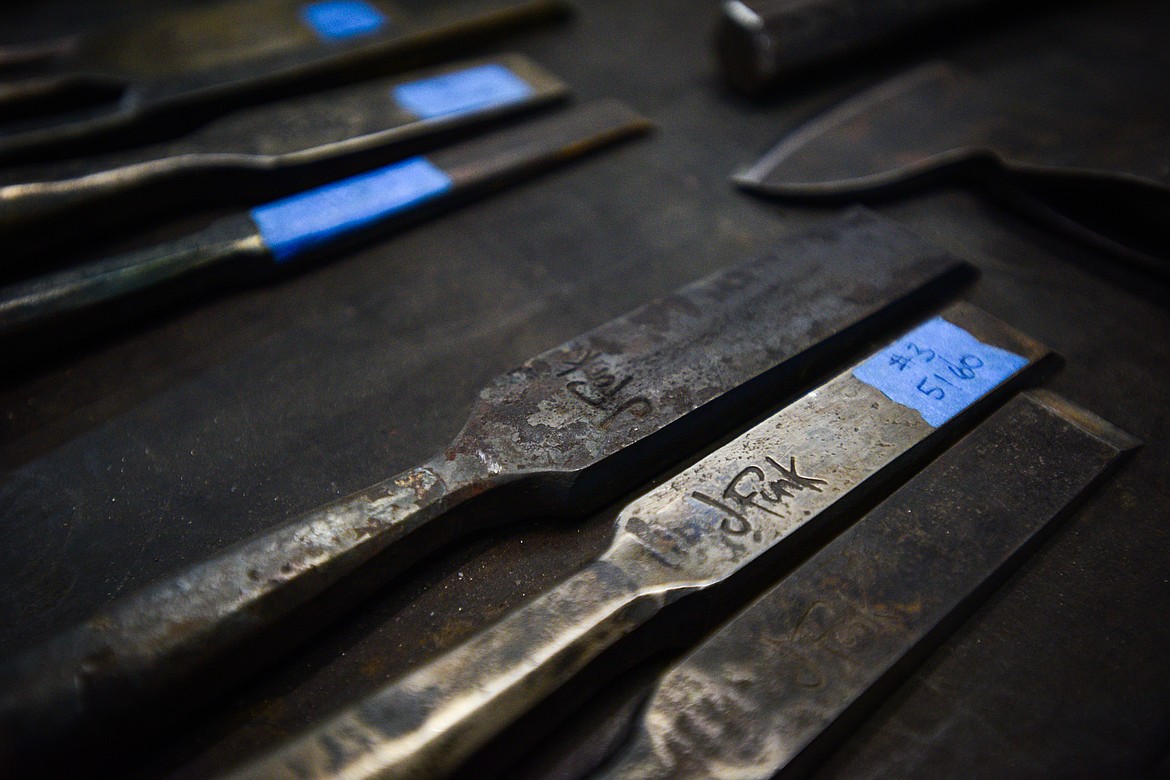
(949, 373)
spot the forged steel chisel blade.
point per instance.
(265, 152)
(777, 684)
(745, 503)
(156, 75)
(572, 429)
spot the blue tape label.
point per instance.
(473, 89)
(291, 225)
(339, 20)
(938, 369)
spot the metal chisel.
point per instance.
(772, 688)
(564, 433)
(744, 504)
(265, 152)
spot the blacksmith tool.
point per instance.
(794, 669)
(748, 502)
(1039, 129)
(266, 152)
(155, 75)
(266, 239)
(563, 434)
(761, 43)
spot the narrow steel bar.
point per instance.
(575, 427)
(804, 660)
(750, 498)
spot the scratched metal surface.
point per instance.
(670, 544)
(758, 695)
(229, 417)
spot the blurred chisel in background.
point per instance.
(152, 77)
(264, 152)
(259, 243)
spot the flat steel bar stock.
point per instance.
(156, 74)
(267, 151)
(573, 428)
(267, 239)
(747, 500)
(788, 676)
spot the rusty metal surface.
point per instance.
(155, 447)
(784, 678)
(741, 503)
(183, 67)
(247, 157)
(1043, 122)
(575, 425)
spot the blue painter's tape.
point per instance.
(938, 369)
(291, 225)
(473, 89)
(339, 20)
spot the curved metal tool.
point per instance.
(564, 433)
(881, 140)
(1041, 127)
(745, 502)
(262, 241)
(793, 668)
(155, 74)
(265, 152)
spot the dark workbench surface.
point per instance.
(146, 451)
